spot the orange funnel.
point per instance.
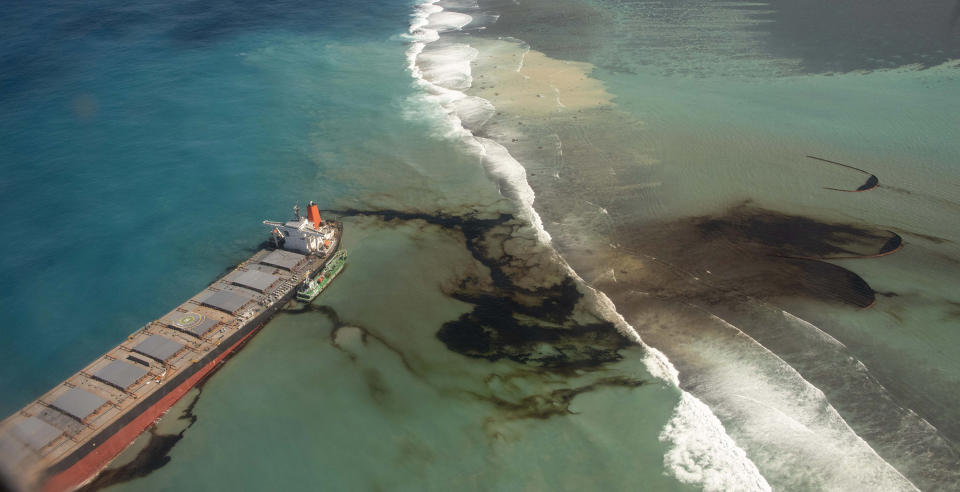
(313, 213)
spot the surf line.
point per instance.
(872, 181)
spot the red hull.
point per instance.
(91, 464)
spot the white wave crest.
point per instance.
(703, 453)
(459, 4)
(798, 436)
(443, 21)
(474, 112)
(443, 72)
(511, 176)
(448, 66)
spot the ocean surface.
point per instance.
(594, 244)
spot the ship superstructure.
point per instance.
(65, 437)
(306, 235)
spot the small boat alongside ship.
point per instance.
(66, 437)
(312, 287)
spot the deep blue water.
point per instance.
(142, 142)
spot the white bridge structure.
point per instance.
(306, 235)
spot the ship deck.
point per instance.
(65, 419)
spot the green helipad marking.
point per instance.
(189, 320)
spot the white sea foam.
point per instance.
(893, 430)
(798, 437)
(459, 4)
(511, 176)
(443, 21)
(474, 112)
(443, 72)
(447, 66)
(702, 452)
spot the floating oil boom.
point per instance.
(872, 181)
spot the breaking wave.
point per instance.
(702, 452)
(441, 70)
(812, 445)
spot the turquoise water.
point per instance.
(142, 144)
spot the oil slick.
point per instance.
(747, 251)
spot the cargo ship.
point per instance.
(66, 437)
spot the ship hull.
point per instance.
(86, 462)
(34, 462)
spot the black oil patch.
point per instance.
(832, 283)
(556, 402)
(474, 227)
(537, 324)
(543, 335)
(795, 236)
(532, 325)
(750, 252)
(5, 483)
(366, 334)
